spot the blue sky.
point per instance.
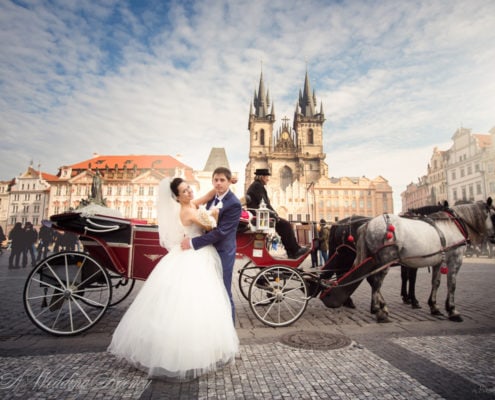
(396, 78)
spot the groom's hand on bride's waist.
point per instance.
(186, 244)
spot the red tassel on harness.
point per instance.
(444, 269)
(350, 238)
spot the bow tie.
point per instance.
(216, 201)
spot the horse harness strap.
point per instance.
(430, 221)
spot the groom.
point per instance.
(224, 236)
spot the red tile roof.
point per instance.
(140, 161)
(483, 140)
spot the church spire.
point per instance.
(307, 100)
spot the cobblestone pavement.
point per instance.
(415, 356)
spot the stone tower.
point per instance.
(294, 154)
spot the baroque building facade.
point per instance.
(129, 185)
(300, 188)
(464, 172)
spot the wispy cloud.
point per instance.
(116, 77)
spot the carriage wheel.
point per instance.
(246, 275)
(67, 293)
(121, 288)
(278, 296)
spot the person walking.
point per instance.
(255, 194)
(179, 325)
(223, 237)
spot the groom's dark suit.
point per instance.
(223, 237)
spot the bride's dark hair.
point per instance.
(174, 186)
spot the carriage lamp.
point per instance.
(262, 217)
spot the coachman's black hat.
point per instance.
(262, 172)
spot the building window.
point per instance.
(109, 190)
(311, 137)
(478, 188)
(453, 175)
(151, 191)
(262, 137)
(140, 212)
(141, 191)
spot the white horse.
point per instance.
(437, 240)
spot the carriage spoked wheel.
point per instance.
(67, 293)
(278, 296)
(246, 275)
(121, 288)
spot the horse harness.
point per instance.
(451, 216)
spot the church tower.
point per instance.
(308, 125)
(293, 154)
(300, 188)
(260, 127)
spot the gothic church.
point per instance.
(299, 187)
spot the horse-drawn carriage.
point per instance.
(69, 292)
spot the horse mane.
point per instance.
(475, 213)
(427, 210)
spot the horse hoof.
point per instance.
(455, 318)
(415, 305)
(406, 300)
(436, 312)
(349, 303)
(383, 320)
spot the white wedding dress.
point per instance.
(180, 323)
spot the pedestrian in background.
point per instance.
(2, 239)
(46, 239)
(16, 245)
(323, 237)
(30, 237)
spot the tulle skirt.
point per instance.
(180, 323)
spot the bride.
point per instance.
(180, 324)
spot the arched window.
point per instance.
(311, 138)
(262, 137)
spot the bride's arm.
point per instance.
(205, 198)
(198, 217)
